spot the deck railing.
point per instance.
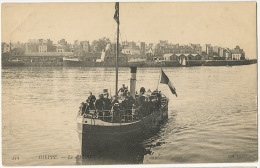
(119, 116)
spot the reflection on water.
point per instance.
(213, 119)
(131, 155)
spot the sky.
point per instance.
(224, 24)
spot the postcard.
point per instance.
(107, 83)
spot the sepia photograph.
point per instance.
(116, 83)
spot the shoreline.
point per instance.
(163, 63)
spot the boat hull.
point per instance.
(228, 62)
(70, 63)
(12, 64)
(96, 136)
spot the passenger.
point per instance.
(134, 111)
(146, 107)
(150, 105)
(87, 108)
(82, 108)
(156, 100)
(99, 104)
(141, 100)
(136, 95)
(107, 102)
(149, 93)
(128, 95)
(142, 90)
(141, 103)
(125, 92)
(115, 100)
(91, 100)
(121, 91)
(116, 113)
(127, 104)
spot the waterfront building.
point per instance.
(32, 45)
(131, 51)
(237, 54)
(60, 48)
(186, 49)
(63, 42)
(37, 45)
(227, 54)
(176, 48)
(196, 48)
(42, 45)
(5, 47)
(69, 48)
(215, 49)
(50, 46)
(209, 50)
(149, 52)
(162, 48)
(18, 52)
(221, 52)
(85, 46)
(167, 57)
(142, 48)
(81, 48)
(130, 48)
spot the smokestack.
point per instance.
(133, 81)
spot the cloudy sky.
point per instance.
(225, 24)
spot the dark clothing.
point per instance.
(142, 90)
(114, 102)
(127, 105)
(141, 100)
(91, 100)
(150, 107)
(107, 104)
(83, 108)
(123, 90)
(116, 113)
(99, 104)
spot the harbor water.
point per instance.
(213, 119)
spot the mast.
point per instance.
(116, 17)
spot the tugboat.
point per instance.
(125, 119)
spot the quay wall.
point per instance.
(229, 62)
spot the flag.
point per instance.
(116, 15)
(165, 80)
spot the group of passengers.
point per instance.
(142, 104)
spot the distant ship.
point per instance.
(13, 62)
(138, 62)
(73, 61)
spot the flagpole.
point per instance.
(159, 79)
(117, 47)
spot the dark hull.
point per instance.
(195, 62)
(229, 62)
(97, 136)
(69, 63)
(109, 64)
(136, 64)
(9, 63)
